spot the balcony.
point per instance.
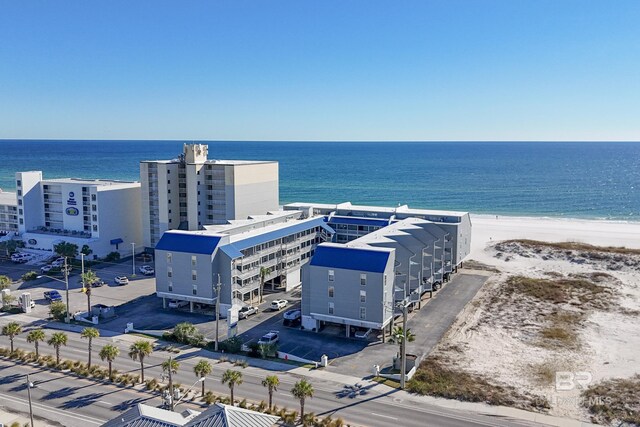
(61, 232)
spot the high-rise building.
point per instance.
(192, 191)
(102, 214)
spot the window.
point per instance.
(169, 272)
(95, 228)
(94, 217)
(19, 183)
(93, 197)
(194, 260)
(363, 313)
(195, 289)
(169, 257)
(363, 279)
(363, 296)
(194, 275)
(168, 181)
(331, 290)
(168, 191)
(20, 202)
(331, 275)
(170, 287)
(20, 211)
(19, 192)
(331, 308)
(94, 208)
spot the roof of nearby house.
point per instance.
(350, 220)
(190, 242)
(149, 416)
(220, 415)
(360, 258)
(217, 415)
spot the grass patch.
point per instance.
(573, 246)
(472, 264)
(582, 292)
(434, 378)
(614, 400)
(386, 381)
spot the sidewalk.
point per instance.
(8, 418)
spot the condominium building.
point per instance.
(192, 191)
(8, 212)
(426, 246)
(102, 214)
(190, 264)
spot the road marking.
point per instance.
(384, 416)
(105, 402)
(67, 413)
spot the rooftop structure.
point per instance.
(191, 191)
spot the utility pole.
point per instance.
(403, 364)
(29, 385)
(171, 406)
(217, 289)
(133, 258)
(66, 285)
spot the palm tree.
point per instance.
(88, 279)
(90, 334)
(109, 353)
(170, 364)
(12, 330)
(57, 340)
(271, 382)
(397, 335)
(232, 378)
(35, 336)
(301, 390)
(202, 369)
(264, 272)
(138, 351)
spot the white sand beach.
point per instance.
(502, 340)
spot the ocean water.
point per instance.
(564, 179)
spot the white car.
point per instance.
(147, 270)
(247, 311)
(46, 268)
(122, 280)
(292, 315)
(175, 303)
(270, 338)
(279, 304)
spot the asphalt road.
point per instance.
(78, 402)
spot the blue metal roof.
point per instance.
(358, 221)
(231, 251)
(350, 258)
(281, 232)
(190, 243)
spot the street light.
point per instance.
(201, 379)
(30, 385)
(66, 286)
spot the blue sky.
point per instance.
(322, 70)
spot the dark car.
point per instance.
(52, 296)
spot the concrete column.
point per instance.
(191, 306)
(348, 331)
(384, 333)
(164, 302)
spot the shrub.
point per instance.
(232, 345)
(58, 310)
(31, 275)
(187, 333)
(151, 384)
(112, 257)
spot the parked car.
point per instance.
(279, 304)
(293, 315)
(98, 283)
(270, 338)
(247, 311)
(175, 303)
(32, 303)
(147, 270)
(121, 280)
(52, 296)
(46, 268)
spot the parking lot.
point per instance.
(137, 303)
